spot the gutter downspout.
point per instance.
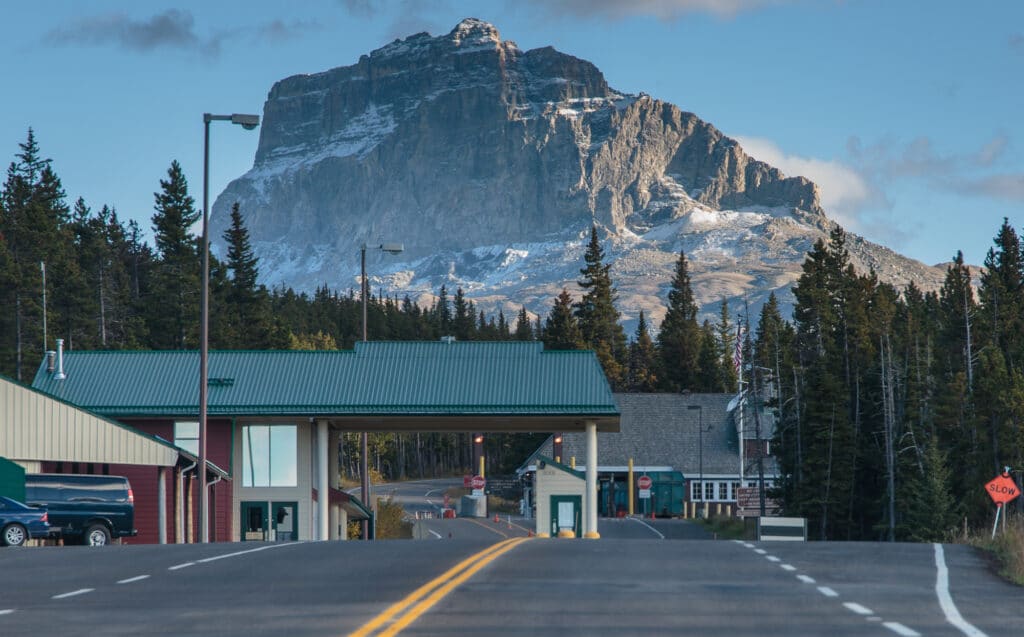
(179, 505)
(208, 485)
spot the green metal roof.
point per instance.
(376, 378)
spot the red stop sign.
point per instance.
(1002, 489)
(643, 482)
(478, 482)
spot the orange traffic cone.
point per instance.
(495, 518)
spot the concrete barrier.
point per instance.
(782, 529)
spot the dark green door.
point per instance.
(286, 521)
(255, 521)
(566, 513)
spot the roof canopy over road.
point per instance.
(388, 386)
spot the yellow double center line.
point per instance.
(402, 613)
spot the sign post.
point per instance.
(1002, 489)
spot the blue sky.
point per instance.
(906, 113)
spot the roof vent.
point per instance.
(51, 361)
(60, 360)
(447, 340)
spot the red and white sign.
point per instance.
(643, 482)
(1002, 489)
(477, 482)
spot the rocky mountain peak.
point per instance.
(491, 164)
(472, 31)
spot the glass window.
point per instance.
(186, 436)
(270, 456)
(695, 490)
(733, 488)
(723, 490)
(709, 490)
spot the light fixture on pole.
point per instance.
(364, 477)
(700, 453)
(248, 122)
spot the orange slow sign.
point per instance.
(1002, 489)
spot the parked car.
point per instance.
(85, 509)
(19, 522)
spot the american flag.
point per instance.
(737, 355)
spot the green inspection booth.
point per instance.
(12, 480)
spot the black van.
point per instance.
(85, 509)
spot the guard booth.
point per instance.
(559, 498)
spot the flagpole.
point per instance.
(737, 360)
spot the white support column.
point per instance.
(590, 528)
(323, 486)
(161, 505)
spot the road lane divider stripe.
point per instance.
(772, 558)
(900, 629)
(806, 579)
(237, 553)
(416, 611)
(827, 592)
(137, 578)
(392, 611)
(953, 615)
(788, 567)
(180, 566)
(7, 611)
(857, 608)
(656, 531)
(81, 591)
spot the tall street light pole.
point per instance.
(700, 437)
(390, 248)
(248, 122)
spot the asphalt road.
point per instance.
(536, 586)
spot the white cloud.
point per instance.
(844, 191)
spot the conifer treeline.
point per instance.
(894, 406)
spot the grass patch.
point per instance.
(1007, 548)
(725, 528)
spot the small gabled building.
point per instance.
(274, 418)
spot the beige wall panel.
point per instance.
(36, 427)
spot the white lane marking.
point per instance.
(738, 541)
(900, 629)
(427, 494)
(953, 615)
(132, 579)
(81, 591)
(772, 558)
(857, 608)
(6, 612)
(237, 553)
(806, 579)
(760, 551)
(656, 531)
(434, 533)
(788, 567)
(827, 592)
(747, 544)
(179, 566)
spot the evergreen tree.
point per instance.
(643, 360)
(709, 363)
(597, 316)
(523, 331)
(679, 340)
(561, 331)
(931, 511)
(173, 296)
(726, 333)
(250, 324)
(463, 321)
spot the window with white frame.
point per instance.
(270, 456)
(716, 490)
(186, 436)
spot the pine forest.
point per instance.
(893, 406)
